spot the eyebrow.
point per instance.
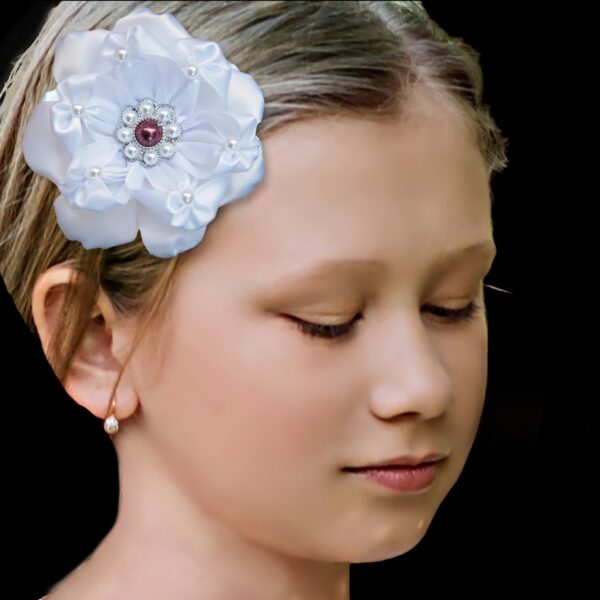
(484, 248)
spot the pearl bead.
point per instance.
(231, 144)
(164, 113)
(121, 54)
(77, 109)
(111, 425)
(166, 150)
(146, 108)
(125, 134)
(151, 157)
(131, 151)
(129, 116)
(95, 172)
(192, 70)
(173, 130)
(187, 197)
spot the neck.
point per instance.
(165, 543)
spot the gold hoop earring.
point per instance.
(111, 425)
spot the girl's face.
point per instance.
(255, 418)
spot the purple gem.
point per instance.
(148, 132)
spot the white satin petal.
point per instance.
(200, 53)
(105, 229)
(173, 83)
(161, 239)
(207, 123)
(42, 150)
(78, 89)
(245, 96)
(77, 52)
(142, 78)
(135, 176)
(183, 93)
(113, 89)
(164, 27)
(171, 209)
(103, 111)
(241, 184)
(181, 162)
(162, 176)
(96, 194)
(209, 98)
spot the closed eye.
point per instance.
(342, 330)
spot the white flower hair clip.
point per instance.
(147, 129)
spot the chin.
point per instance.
(392, 545)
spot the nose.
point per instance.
(410, 376)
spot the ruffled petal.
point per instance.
(245, 96)
(105, 229)
(241, 184)
(161, 239)
(162, 176)
(171, 83)
(42, 150)
(165, 27)
(99, 193)
(77, 53)
(200, 53)
(78, 89)
(103, 111)
(214, 70)
(168, 205)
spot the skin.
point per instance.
(235, 425)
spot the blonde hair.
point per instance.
(311, 59)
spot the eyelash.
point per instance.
(333, 332)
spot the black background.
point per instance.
(521, 516)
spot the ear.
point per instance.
(101, 353)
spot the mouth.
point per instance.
(402, 462)
(399, 478)
(391, 467)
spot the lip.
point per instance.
(402, 461)
(400, 479)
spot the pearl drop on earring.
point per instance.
(111, 424)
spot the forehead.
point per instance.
(344, 187)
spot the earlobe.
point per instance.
(94, 367)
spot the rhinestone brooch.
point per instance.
(148, 132)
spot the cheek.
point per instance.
(247, 429)
(235, 395)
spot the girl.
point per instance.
(299, 388)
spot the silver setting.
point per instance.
(165, 115)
